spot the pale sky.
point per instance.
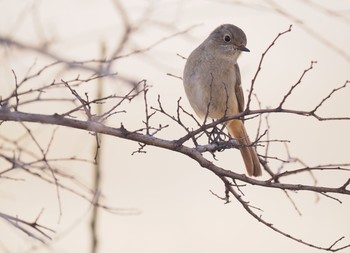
(175, 210)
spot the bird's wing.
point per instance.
(238, 89)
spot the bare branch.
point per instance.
(123, 133)
(260, 65)
(295, 85)
(32, 229)
(309, 30)
(328, 96)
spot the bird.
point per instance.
(212, 83)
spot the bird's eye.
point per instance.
(227, 38)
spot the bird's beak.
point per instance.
(243, 48)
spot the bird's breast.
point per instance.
(209, 83)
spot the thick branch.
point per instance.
(167, 144)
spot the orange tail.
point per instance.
(250, 158)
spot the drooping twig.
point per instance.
(259, 218)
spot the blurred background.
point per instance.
(160, 201)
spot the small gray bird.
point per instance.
(212, 84)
